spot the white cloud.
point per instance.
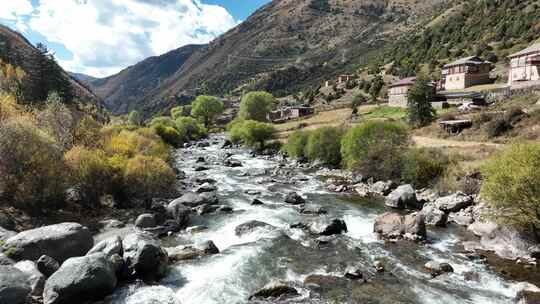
(105, 36)
(12, 9)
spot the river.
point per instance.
(247, 263)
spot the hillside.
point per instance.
(124, 91)
(18, 51)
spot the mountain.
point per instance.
(83, 77)
(285, 46)
(124, 91)
(16, 50)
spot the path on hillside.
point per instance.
(430, 142)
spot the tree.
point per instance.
(421, 113)
(356, 102)
(296, 144)
(135, 118)
(206, 108)
(376, 86)
(256, 106)
(512, 186)
(177, 112)
(324, 145)
(252, 133)
(57, 121)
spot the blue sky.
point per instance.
(101, 37)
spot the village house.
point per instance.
(289, 113)
(399, 91)
(344, 78)
(466, 72)
(525, 65)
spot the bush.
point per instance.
(164, 121)
(375, 148)
(512, 185)
(135, 118)
(57, 121)
(177, 112)
(190, 128)
(423, 167)
(87, 133)
(170, 135)
(498, 127)
(296, 144)
(31, 166)
(256, 106)
(206, 108)
(147, 177)
(251, 133)
(143, 141)
(324, 144)
(91, 172)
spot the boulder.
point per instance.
(200, 159)
(379, 266)
(382, 188)
(14, 285)
(225, 209)
(191, 199)
(436, 268)
(294, 199)
(403, 197)
(226, 144)
(326, 227)
(80, 279)
(433, 216)
(146, 220)
(205, 209)
(6, 222)
(47, 265)
(353, 273)
(159, 210)
(144, 257)
(250, 226)
(463, 217)
(252, 192)
(179, 212)
(5, 261)
(60, 241)
(6, 234)
(393, 225)
(182, 253)
(109, 246)
(206, 187)
(275, 289)
(36, 279)
(313, 210)
(256, 202)
(201, 168)
(454, 202)
(233, 163)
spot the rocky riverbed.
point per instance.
(259, 229)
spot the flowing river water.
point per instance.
(247, 263)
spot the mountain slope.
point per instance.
(124, 91)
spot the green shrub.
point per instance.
(135, 118)
(256, 106)
(251, 133)
(170, 135)
(164, 121)
(32, 170)
(147, 177)
(177, 112)
(498, 127)
(296, 144)
(375, 149)
(190, 128)
(131, 143)
(206, 109)
(512, 185)
(236, 130)
(91, 172)
(324, 144)
(88, 133)
(422, 167)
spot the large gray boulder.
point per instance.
(144, 257)
(80, 279)
(454, 202)
(179, 212)
(382, 187)
(251, 226)
(276, 289)
(394, 226)
(14, 286)
(403, 197)
(182, 253)
(60, 241)
(328, 227)
(108, 246)
(434, 216)
(438, 268)
(36, 279)
(192, 199)
(294, 198)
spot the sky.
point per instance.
(102, 37)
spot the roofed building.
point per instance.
(344, 78)
(525, 65)
(466, 72)
(398, 92)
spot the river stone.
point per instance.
(146, 220)
(60, 241)
(326, 227)
(206, 209)
(5, 261)
(191, 199)
(250, 226)
(403, 197)
(433, 216)
(111, 224)
(6, 222)
(201, 168)
(294, 199)
(196, 229)
(256, 202)
(79, 279)
(313, 210)
(6, 234)
(454, 202)
(144, 256)
(464, 217)
(275, 289)
(436, 268)
(233, 163)
(14, 286)
(200, 159)
(47, 265)
(179, 212)
(393, 225)
(353, 273)
(382, 188)
(182, 253)
(206, 187)
(36, 279)
(108, 246)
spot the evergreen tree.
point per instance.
(421, 113)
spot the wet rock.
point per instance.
(144, 257)
(6, 222)
(159, 210)
(325, 227)
(5, 261)
(182, 253)
(353, 273)
(196, 229)
(299, 225)
(275, 289)
(252, 192)
(528, 294)
(462, 218)
(362, 190)
(200, 159)
(382, 188)
(433, 216)
(6, 234)
(393, 225)
(206, 209)
(80, 279)
(60, 241)
(227, 144)
(206, 180)
(225, 209)
(14, 286)
(206, 187)
(436, 268)
(454, 202)
(379, 266)
(325, 240)
(179, 212)
(403, 197)
(109, 247)
(201, 168)
(250, 226)
(233, 163)
(471, 276)
(111, 224)
(203, 144)
(36, 279)
(313, 210)
(47, 265)
(146, 220)
(256, 202)
(294, 199)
